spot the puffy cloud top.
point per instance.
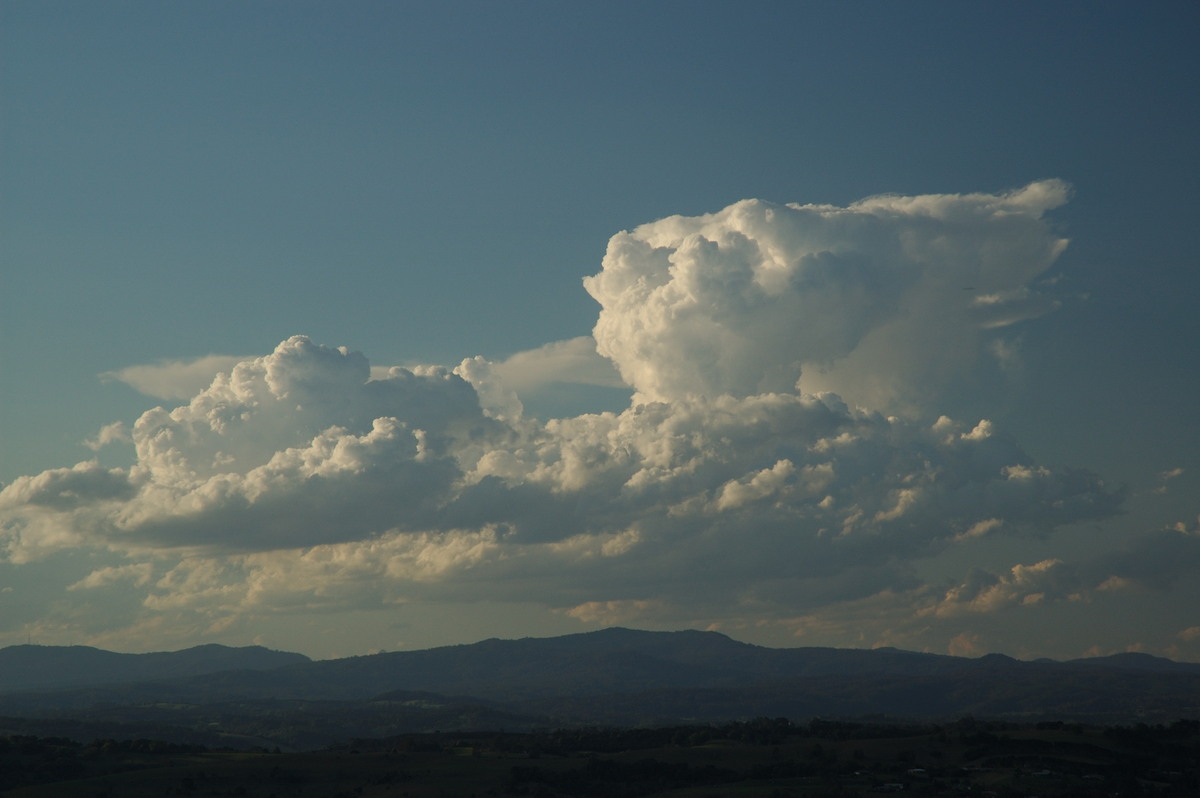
(289, 449)
(269, 404)
(745, 300)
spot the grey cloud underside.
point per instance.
(299, 480)
(1158, 560)
(765, 491)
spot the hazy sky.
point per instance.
(338, 327)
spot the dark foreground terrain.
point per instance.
(771, 758)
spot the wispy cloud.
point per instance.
(174, 379)
(572, 361)
(116, 432)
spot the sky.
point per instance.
(361, 326)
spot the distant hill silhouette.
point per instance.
(1136, 661)
(614, 676)
(596, 663)
(30, 667)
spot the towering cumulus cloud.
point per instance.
(731, 488)
(883, 301)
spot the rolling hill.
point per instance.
(617, 677)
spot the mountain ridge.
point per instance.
(614, 676)
(698, 657)
(37, 667)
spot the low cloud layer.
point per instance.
(729, 490)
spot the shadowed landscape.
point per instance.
(761, 757)
(245, 698)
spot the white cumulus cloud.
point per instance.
(885, 302)
(302, 479)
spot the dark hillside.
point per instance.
(614, 677)
(608, 661)
(32, 667)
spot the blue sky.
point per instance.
(187, 186)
